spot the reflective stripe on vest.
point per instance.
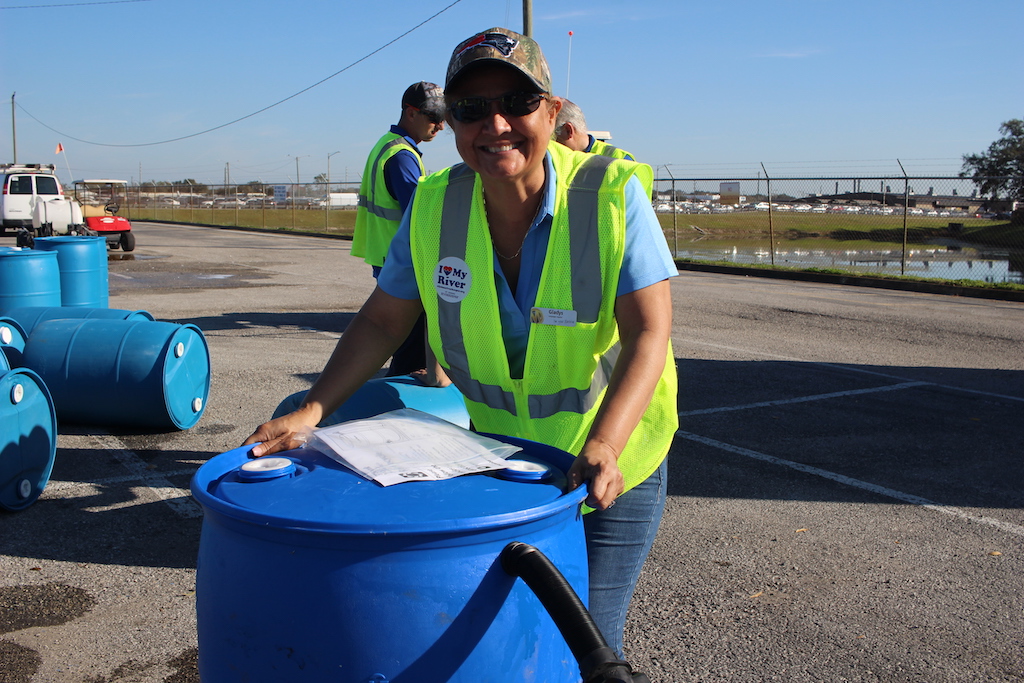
(367, 203)
(577, 400)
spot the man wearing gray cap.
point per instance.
(389, 179)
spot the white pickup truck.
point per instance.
(33, 203)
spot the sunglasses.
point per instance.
(431, 116)
(471, 109)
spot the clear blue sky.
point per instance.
(808, 87)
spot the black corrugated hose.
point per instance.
(598, 662)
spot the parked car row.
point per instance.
(207, 202)
(869, 210)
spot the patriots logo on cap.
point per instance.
(499, 41)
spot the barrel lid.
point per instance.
(186, 376)
(12, 333)
(527, 469)
(323, 495)
(28, 427)
(261, 469)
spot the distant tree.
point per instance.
(1000, 170)
(197, 187)
(253, 186)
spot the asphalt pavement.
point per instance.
(845, 497)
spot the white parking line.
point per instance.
(805, 399)
(848, 368)
(179, 500)
(71, 488)
(856, 483)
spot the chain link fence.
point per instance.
(929, 227)
(308, 207)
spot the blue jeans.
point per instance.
(618, 541)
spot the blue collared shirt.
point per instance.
(646, 261)
(402, 171)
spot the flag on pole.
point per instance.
(60, 148)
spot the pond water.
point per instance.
(941, 262)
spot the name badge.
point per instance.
(552, 316)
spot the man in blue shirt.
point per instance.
(392, 171)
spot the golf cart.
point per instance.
(100, 201)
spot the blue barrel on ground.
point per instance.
(385, 394)
(12, 341)
(30, 317)
(28, 278)
(82, 260)
(139, 373)
(357, 582)
(28, 438)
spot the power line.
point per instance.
(74, 4)
(259, 111)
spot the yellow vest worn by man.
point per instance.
(568, 366)
(378, 213)
(604, 149)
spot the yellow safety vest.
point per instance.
(378, 214)
(568, 367)
(604, 149)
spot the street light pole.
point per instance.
(327, 210)
(298, 180)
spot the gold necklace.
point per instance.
(523, 244)
(509, 258)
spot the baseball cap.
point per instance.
(425, 96)
(504, 46)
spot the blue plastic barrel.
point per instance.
(28, 438)
(12, 341)
(82, 260)
(122, 372)
(28, 278)
(29, 317)
(385, 394)
(308, 572)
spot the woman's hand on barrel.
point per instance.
(597, 464)
(282, 434)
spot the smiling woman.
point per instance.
(543, 273)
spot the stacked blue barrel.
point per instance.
(94, 365)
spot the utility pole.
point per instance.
(528, 18)
(14, 133)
